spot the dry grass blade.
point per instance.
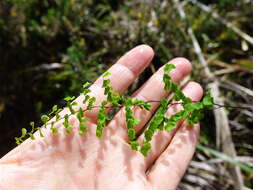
(239, 88)
(226, 158)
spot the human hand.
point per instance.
(74, 162)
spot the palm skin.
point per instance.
(74, 162)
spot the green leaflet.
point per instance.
(44, 119)
(82, 129)
(40, 132)
(66, 121)
(134, 145)
(208, 100)
(91, 102)
(68, 98)
(86, 85)
(146, 147)
(106, 74)
(54, 130)
(54, 110)
(169, 67)
(24, 131)
(87, 97)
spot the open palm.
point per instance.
(74, 162)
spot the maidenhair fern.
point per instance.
(192, 112)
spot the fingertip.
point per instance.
(138, 58)
(146, 49)
(183, 68)
(193, 90)
(183, 64)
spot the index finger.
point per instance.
(123, 73)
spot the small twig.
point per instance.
(153, 101)
(224, 71)
(175, 103)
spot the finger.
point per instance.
(161, 139)
(172, 164)
(151, 90)
(178, 145)
(123, 73)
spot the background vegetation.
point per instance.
(48, 48)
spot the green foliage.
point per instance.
(192, 112)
